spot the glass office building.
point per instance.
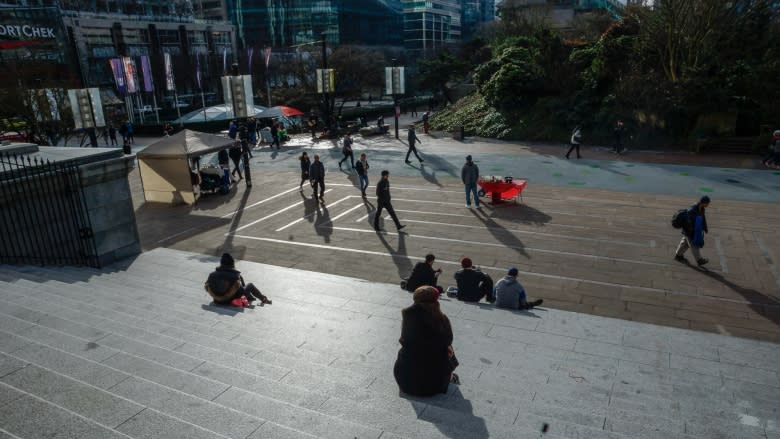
(431, 24)
(285, 23)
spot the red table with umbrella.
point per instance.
(500, 190)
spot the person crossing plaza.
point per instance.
(383, 202)
(413, 139)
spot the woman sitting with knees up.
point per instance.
(426, 360)
(226, 283)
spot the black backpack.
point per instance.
(679, 218)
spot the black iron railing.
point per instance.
(43, 214)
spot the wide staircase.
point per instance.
(136, 350)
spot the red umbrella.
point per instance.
(289, 111)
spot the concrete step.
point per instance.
(325, 354)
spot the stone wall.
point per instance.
(110, 206)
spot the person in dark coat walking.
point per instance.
(576, 139)
(275, 135)
(346, 150)
(361, 166)
(112, 133)
(305, 165)
(226, 283)
(413, 139)
(473, 284)
(424, 274)
(317, 176)
(618, 135)
(383, 202)
(235, 157)
(426, 361)
(689, 230)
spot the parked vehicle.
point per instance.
(12, 136)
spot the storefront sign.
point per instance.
(26, 31)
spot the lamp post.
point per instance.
(395, 100)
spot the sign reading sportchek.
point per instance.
(26, 31)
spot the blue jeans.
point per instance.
(363, 182)
(472, 188)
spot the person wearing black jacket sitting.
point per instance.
(426, 361)
(424, 274)
(473, 284)
(226, 283)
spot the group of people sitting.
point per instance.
(426, 361)
(472, 284)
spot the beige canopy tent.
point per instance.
(165, 165)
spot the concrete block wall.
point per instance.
(110, 207)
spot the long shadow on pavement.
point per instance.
(763, 304)
(430, 177)
(501, 234)
(399, 255)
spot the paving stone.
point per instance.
(71, 365)
(167, 376)
(8, 394)
(302, 419)
(32, 418)
(154, 353)
(65, 342)
(197, 411)
(656, 358)
(90, 402)
(276, 431)
(233, 361)
(151, 424)
(743, 373)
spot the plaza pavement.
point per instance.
(629, 344)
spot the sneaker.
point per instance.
(477, 205)
(421, 161)
(266, 301)
(401, 226)
(702, 261)
(679, 258)
(468, 206)
(455, 379)
(408, 162)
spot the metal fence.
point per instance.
(43, 215)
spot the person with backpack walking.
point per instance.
(576, 139)
(412, 138)
(305, 165)
(693, 223)
(347, 151)
(362, 170)
(317, 176)
(130, 132)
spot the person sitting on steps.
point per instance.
(473, 284)
(424, 274)
(510, 294)
(226, 283)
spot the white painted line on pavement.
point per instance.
(531, 249)
(292, 223)
(269, 216)
(721, 255)
(259, 202)
(363, 218)
(346, 213)
(552, 235)
(500, 270)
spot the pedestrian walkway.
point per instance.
(135, 350)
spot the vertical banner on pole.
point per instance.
(169, 80)
(197, 71)
(224, 61)
(130, 74)
(249, 52)
(146, 69)
(119, 75)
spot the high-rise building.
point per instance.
(559, 13)
(285, 23)
(431, 24)
(476, 12)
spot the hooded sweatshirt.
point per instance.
(469, 174)
(508, 292)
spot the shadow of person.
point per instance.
(501, 234)
(441, 164)
(521, 214)
(430, 177)
(274, 154)
(322, 222)
(467, 423)
(309, 205)
(224, 310)
(370, 212)
(763, 304)
(400, 258)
